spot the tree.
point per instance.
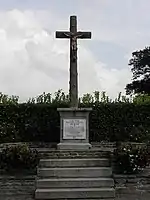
(140, 63)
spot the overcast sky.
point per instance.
(33, 61)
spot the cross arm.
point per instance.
(84, 35)
(62, 34)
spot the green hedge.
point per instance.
(18, 157)
(130, 159)
(108, 122)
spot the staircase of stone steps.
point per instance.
(74, 175)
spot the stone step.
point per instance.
(52, 150)
(84, 162)
(75, 183)
(76, 193)
(45, 153)
(75, 172)
(82, 199)
(65, 155)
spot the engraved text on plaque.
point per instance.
(74, 129)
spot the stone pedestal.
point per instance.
(74, 128)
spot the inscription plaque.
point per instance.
(74, 129)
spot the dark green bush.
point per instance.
(108, 122)
(131, 159)
(18, 157)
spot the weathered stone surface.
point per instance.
(71, 136)
(75, 177)
(133, 196)
(75, 146)
(74, 193)
(16, 197)
(84, 162)
(75, 183)
(17, 188)
(75, 172)
(47, 153)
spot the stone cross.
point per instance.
(73, 35)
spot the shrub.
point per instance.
(18, 157)
(131, 159)
(108, 121)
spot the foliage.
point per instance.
(38, 119)
(61, 97)
(140, 63)
(8, 126)
(18, 157)
(141, 99)
(130, 159)
(5, 99)
(108, 122)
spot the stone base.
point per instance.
(78, 139)
(76, 146)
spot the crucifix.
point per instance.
(73, 35)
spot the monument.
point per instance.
(74, 121)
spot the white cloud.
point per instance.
(125, 23)
(32, 61)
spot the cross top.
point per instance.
(73, 35)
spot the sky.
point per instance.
(33, 61)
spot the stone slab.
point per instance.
(74, 129)
(78, 153)
(83, 193)
(88, 199)
(74, 109)
(75, 146)
(75, 183)
(84, 162)
(75, 172)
